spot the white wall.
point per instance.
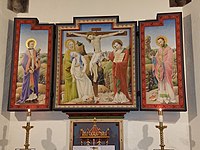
(51, 129)
(64, 11)
(194, 106)
(5, 15)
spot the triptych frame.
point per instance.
(95, 64)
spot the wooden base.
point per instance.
(165, 149)
(25, 149)
(87, 115)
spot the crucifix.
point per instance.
(94, 38)
(95, 35)
(97, 31)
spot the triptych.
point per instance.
(98, 64)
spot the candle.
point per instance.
(28, 119)
(160, 115)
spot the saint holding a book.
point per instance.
(119, 56)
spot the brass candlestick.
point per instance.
(161, 127)
(28, 127)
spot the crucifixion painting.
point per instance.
(94, 38)
(95, 59)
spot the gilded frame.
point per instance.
(97, 25)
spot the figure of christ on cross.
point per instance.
(94, 38)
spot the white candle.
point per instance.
(28, 118)
(160, 115)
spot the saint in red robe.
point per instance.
(119, 72)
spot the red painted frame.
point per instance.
(12, 105)
(181, 105)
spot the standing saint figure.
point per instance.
(119, 56)
(95, 40)
(31, 65)
(78, 71)
(70, 90)
(163, 69)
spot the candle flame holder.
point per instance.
(28, 127)
(161, 127)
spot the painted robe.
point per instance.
(84, 84)
(30, 80)
(70, 90)
(163, 68)
(119, 73)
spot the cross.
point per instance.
(98, 32)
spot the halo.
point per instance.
(118, 41)
(67, 42)
(31, 39)
(90, 33)
(161, 37)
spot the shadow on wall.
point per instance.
(7, 73)
(47, 144)
(146, 141)
(4, 141)
(190, 73)
(192, 142)
(66, 147)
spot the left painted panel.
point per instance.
(31, 73)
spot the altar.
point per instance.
(102, 147)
